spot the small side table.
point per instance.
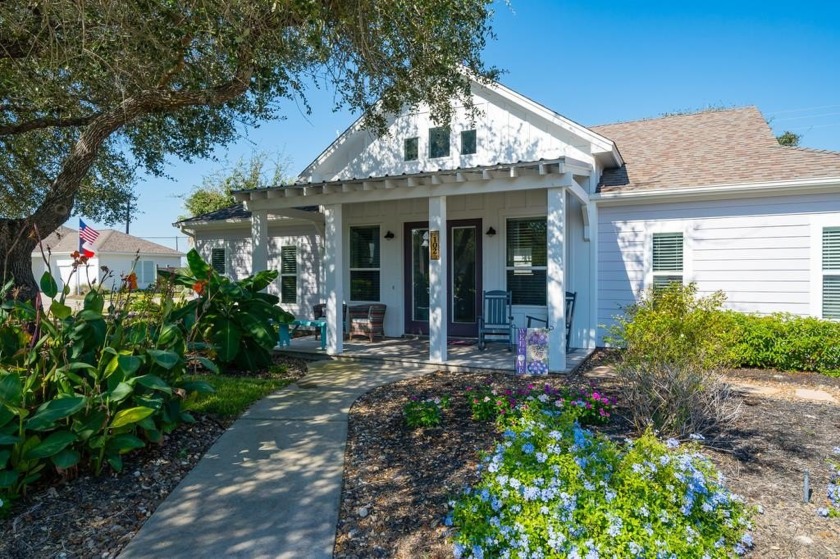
(319, 324)
(284, 338)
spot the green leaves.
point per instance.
(130, 415)
(199, 268)
(48, 285)
(53, 411)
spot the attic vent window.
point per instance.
(411, 149)
(439, 142)
(468, 142)
(217, 259)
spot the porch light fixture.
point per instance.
(389, 235)
(490, 231)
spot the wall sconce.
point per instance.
(490, 231)
(389, 235)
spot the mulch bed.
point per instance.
(398, 481)
(89, 516)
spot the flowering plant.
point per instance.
(425, 413)
(833, 510)
(555, 489)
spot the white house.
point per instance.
(526, 200)
(118, 252)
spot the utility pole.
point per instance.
(127, 214)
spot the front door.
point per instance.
(464, 277)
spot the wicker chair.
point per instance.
(366, 320)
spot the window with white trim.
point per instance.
(527, 260)
(831, 273)
(288, 274)
(667, 259)
(364, 263)
(217, 259)
(439, 142)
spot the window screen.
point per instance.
(364, 263)
(667, 262)
(411, 149)
(468, 142)
(439, 142)
(527, 260)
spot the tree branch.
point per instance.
(46, 122)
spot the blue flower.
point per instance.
(528, 448)
(672, 443)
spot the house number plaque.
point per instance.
(434, 245)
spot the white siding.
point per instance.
(756, 250)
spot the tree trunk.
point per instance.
(17, 241)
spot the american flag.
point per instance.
(87, 235)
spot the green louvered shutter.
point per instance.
(831, 272)
(288, 274)
(667, 259)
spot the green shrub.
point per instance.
(235, 317)
(787, 342)
(424, 413)
(83, 387)
(554, 489)
(676, 346)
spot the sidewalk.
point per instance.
(271, 485)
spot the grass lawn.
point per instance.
(235, 393)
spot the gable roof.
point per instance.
(66, 240)
(236, 211)
(711, 148)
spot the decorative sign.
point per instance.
(434, 245)
(531, 351)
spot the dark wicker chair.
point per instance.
(570, 312)
(366, 320)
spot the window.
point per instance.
(468, 142)
(831, 272)
(146, 272)
(217, 259)
(288, 274)
(364, 263)
(411, 149)
(439, 142)
(527, 258)
(667, 263)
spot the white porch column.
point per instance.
(334, 276)
(556, 284)
(259, 241)
(438, 288)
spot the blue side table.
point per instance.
(284, 339)
(319, 324)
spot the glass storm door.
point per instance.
(464, 277)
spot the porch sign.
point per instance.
(531, 351)
(434, 245)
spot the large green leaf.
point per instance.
(89, 425)
(169, 334)
(54, 410)
(164, 358)
(199, 386)
(94, 301)
(4, 458)
(154, 382)
(67, 458)
(261, 332)
(199, 268)
(48, 285)
(11, 389)
(8, 478)
(208, 364)
(8, 439)
(225, 336)
(120, 392)
(129, 416)
(124, 443)
(129, 364)
(261, 280)
(52, 445)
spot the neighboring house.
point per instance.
(526, 200)
(119, 252)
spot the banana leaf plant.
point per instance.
(237, 318)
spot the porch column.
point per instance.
(334, 276)
(556, 284)
(438, 288)
(259, 241)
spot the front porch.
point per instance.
(462, 356)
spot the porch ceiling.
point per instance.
(501, 177)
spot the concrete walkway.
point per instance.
(271, 485)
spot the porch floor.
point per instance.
(462, 356)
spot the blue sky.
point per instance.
(597, 62)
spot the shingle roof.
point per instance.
(66, 240)
(710, 148)
(236, 211)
